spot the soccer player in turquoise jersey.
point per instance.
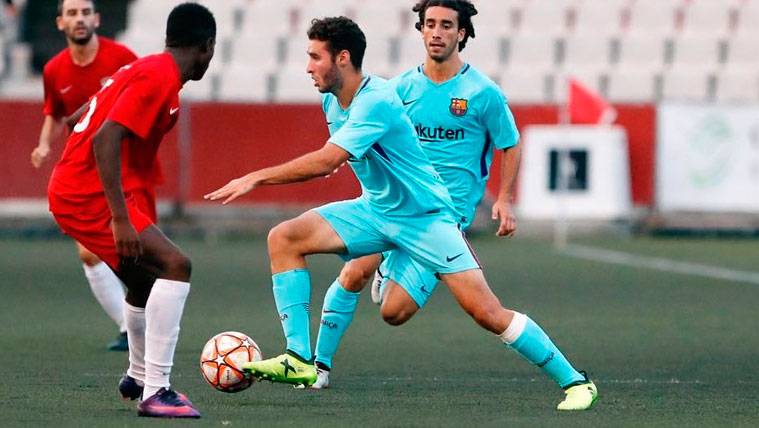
(404, 207)
(460, 116)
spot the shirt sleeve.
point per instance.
(499, 121)
(139, 105)
(52, 104)
(367, 122)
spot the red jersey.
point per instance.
(68, 86)
(143, 97)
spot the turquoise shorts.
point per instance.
(433, 240)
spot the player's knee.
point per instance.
(353, 278)
(488, 317)
(396, 316)
(178, 266)
(280, 238)
(88, 257)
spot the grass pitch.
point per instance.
(665, 349)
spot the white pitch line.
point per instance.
(659, 263)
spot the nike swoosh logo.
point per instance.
(330, 123)
(405, 103)
(66, 89)
(173, 110)
(450, 259)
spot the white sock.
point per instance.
(163, 312)
(515, 328)
(134, 318)
(108, 290)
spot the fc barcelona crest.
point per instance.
(458, 106)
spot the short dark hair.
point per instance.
(464, 8)
(189, 24)
(60, 6)
(341, 34)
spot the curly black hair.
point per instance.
(341, 34)
(189, 24)
(464, 8)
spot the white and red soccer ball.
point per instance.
(222, 358)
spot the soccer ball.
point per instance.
(222, 357)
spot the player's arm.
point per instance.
(52, 128)
(319, 163)
(74, 118)
(106, 146)
(502, 209)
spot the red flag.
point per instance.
(587, 107)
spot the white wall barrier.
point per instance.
(575, 172)
(707, 158)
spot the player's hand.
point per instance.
(127, 240)
(503, 212)
(40, 155)
(234, 189)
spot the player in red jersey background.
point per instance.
(70, 78)
(93, 195)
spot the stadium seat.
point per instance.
(686, 84)
(748, 16)
(486, 52)
(599, 17)
(536, 51)
(494, 17)
(411, 51)
(653, 17)
(307, 11)
(544, 17)
(586, 51)
(263, 52)
(142, 42)
(377, 58)
(525, 86)
(707, 17)
(268, 18)
(632, 85)
(296, 57)
(379, 20)
(742, 50)
(700, 51)
(641, 51)
(294, 86)
(737, 85)
(244, 82)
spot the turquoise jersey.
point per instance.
(459, 122)
(396, 176)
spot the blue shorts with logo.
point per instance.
(432, 241)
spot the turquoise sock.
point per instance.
(292, 294)
(337, 314)
(535, 345)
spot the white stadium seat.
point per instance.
(525, 85)
(708, 17)
(256, 51)
(641, 51)
(653, 17)
(685, 84)
(244, 83)
(585, 50)
(536, 51)
(737, 85)
(696, 51)
(742, 50)
(295, 87)
(544, 17)
(632, 85)
(599, 17)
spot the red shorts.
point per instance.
(89, 222)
